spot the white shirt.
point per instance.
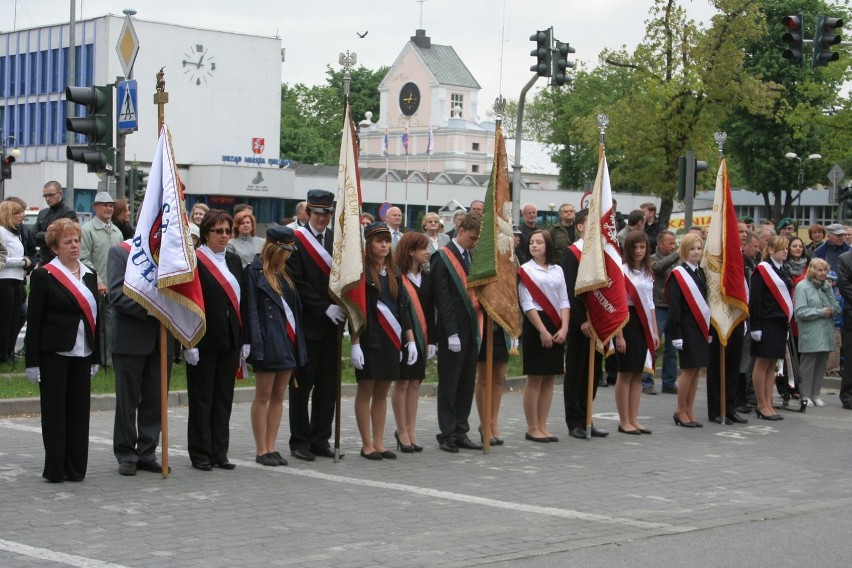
(551, 279)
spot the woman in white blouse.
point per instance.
(544, 301)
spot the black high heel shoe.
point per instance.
(402, 447)
(772, 417)
(493, 441)
(680, 422)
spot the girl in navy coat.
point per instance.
(277, 339)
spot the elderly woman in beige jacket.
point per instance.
(815, 308)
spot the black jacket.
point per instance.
(45, 217)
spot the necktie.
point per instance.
(395, 237)
(466, 261)
(319, 237)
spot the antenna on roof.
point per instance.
(421, 2)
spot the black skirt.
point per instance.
(540, 360)
(417, 371)
(696, 349)
(773, 343)
(501, 351)
(380, 363)
(633, 358)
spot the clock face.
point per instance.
(409, 99)
(198, 65)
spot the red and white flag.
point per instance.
(346, 282)
(161, 271)
(599, 276)
(723, 262)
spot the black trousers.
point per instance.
(846, 372)
(136, 433)
(65, 397)
(576, 386)
(733, 354)
(456, 385)
(11, 298)
(314, 385)
(210, 388)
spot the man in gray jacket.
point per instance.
(662, 263)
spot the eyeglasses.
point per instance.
(49, 195)
(221, 231)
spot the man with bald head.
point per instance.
(393, 218)
(477, 206)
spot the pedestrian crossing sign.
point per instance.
(127, 119)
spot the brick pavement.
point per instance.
(436, 509)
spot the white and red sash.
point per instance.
(643, 310)
(390, 324)
(291, 320)
(545, 298)
(223, 277)
(777, 287)
(694, 299)
(81, 294)
(314, 249)
(577, 249)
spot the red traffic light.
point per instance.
(792, 22)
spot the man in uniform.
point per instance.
(310, 267)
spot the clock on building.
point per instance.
(409, 99)
(198, 64)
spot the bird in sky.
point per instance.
(362, 35)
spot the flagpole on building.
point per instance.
(407, 142)
(387, 162)
(428, 165)
(161, 97)
(720, 138)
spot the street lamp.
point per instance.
(795, 156)
(7, 160)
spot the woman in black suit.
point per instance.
(412, 254)
(769, 321)
(213, 363)
(690, 331)
(61, 347)
(274, 313)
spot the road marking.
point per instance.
(52, 556)
(434, 493)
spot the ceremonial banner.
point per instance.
(723, 262)
(161, 270)
(346, 282)
(405, 140)
(599, 276)
(494, 268)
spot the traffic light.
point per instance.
(542, 39)
(561, 64)
(6, 166)
(97, 125)
(846, 202)
(793, 38)
(824, 39)
(682, 186)
(135, 182)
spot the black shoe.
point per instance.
(773, 417)
(602, 383)
(697, 424)
(153, 466)
(449, 446)
(406, 449)
(280, 458)
(718, 420)
(531, 438)
(303, 454)
(124, 468)
(737, 419)
(498, 441)
(374, 455)
(578, 432)
(552, 439)
(670, 390)
(417, 448)
(325, 452)
(599, 433)
(634, 432)
(467, 444)
(388, 455)
(205, 466)
(227, 465)
(679, 422)
(847, 406)
(744, 409)
(645, 431)
(267, 459)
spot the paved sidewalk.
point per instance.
(431, 509)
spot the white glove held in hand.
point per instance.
(33, 374)
(246, 351)
(677, 344)
(356, 356)
(94, 369)
(431, 351)
(191, 356)
(454, 343)
(336, 314)
(412, 353)
(757, 335)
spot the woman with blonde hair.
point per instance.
(432, 229)
(689, 321)
(12, 273)
(197, 213)
(770, 309)
(816, 309)
(274, 313)
(244, 242)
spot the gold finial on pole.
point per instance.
(720, 138)
(161, 97)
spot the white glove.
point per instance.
(431, 351)
(336, 314)
(33, 374)
(454, 343)
(94, 369)
(677, 344)
(246, 351)
(412, 352)
(757, 335)
(191, 356)
(356, 356)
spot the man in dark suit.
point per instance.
(458, 336)
(56, 209)
(844, 283)
(309, 267)
(134, 342)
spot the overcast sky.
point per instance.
(314, 32)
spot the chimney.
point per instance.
(420, 39)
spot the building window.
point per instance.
(54, 71)
(53, 123)
(42, 71)
(2, 76)
(456, 105)
(12, 66)
(42, 124)
(476, 146)
(22, 74)
(474, 168)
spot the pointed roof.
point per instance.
(442, 61)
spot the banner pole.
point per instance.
(161, 97)
(590, 385)
(489, 371)
(723, 375)
(338, 395)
